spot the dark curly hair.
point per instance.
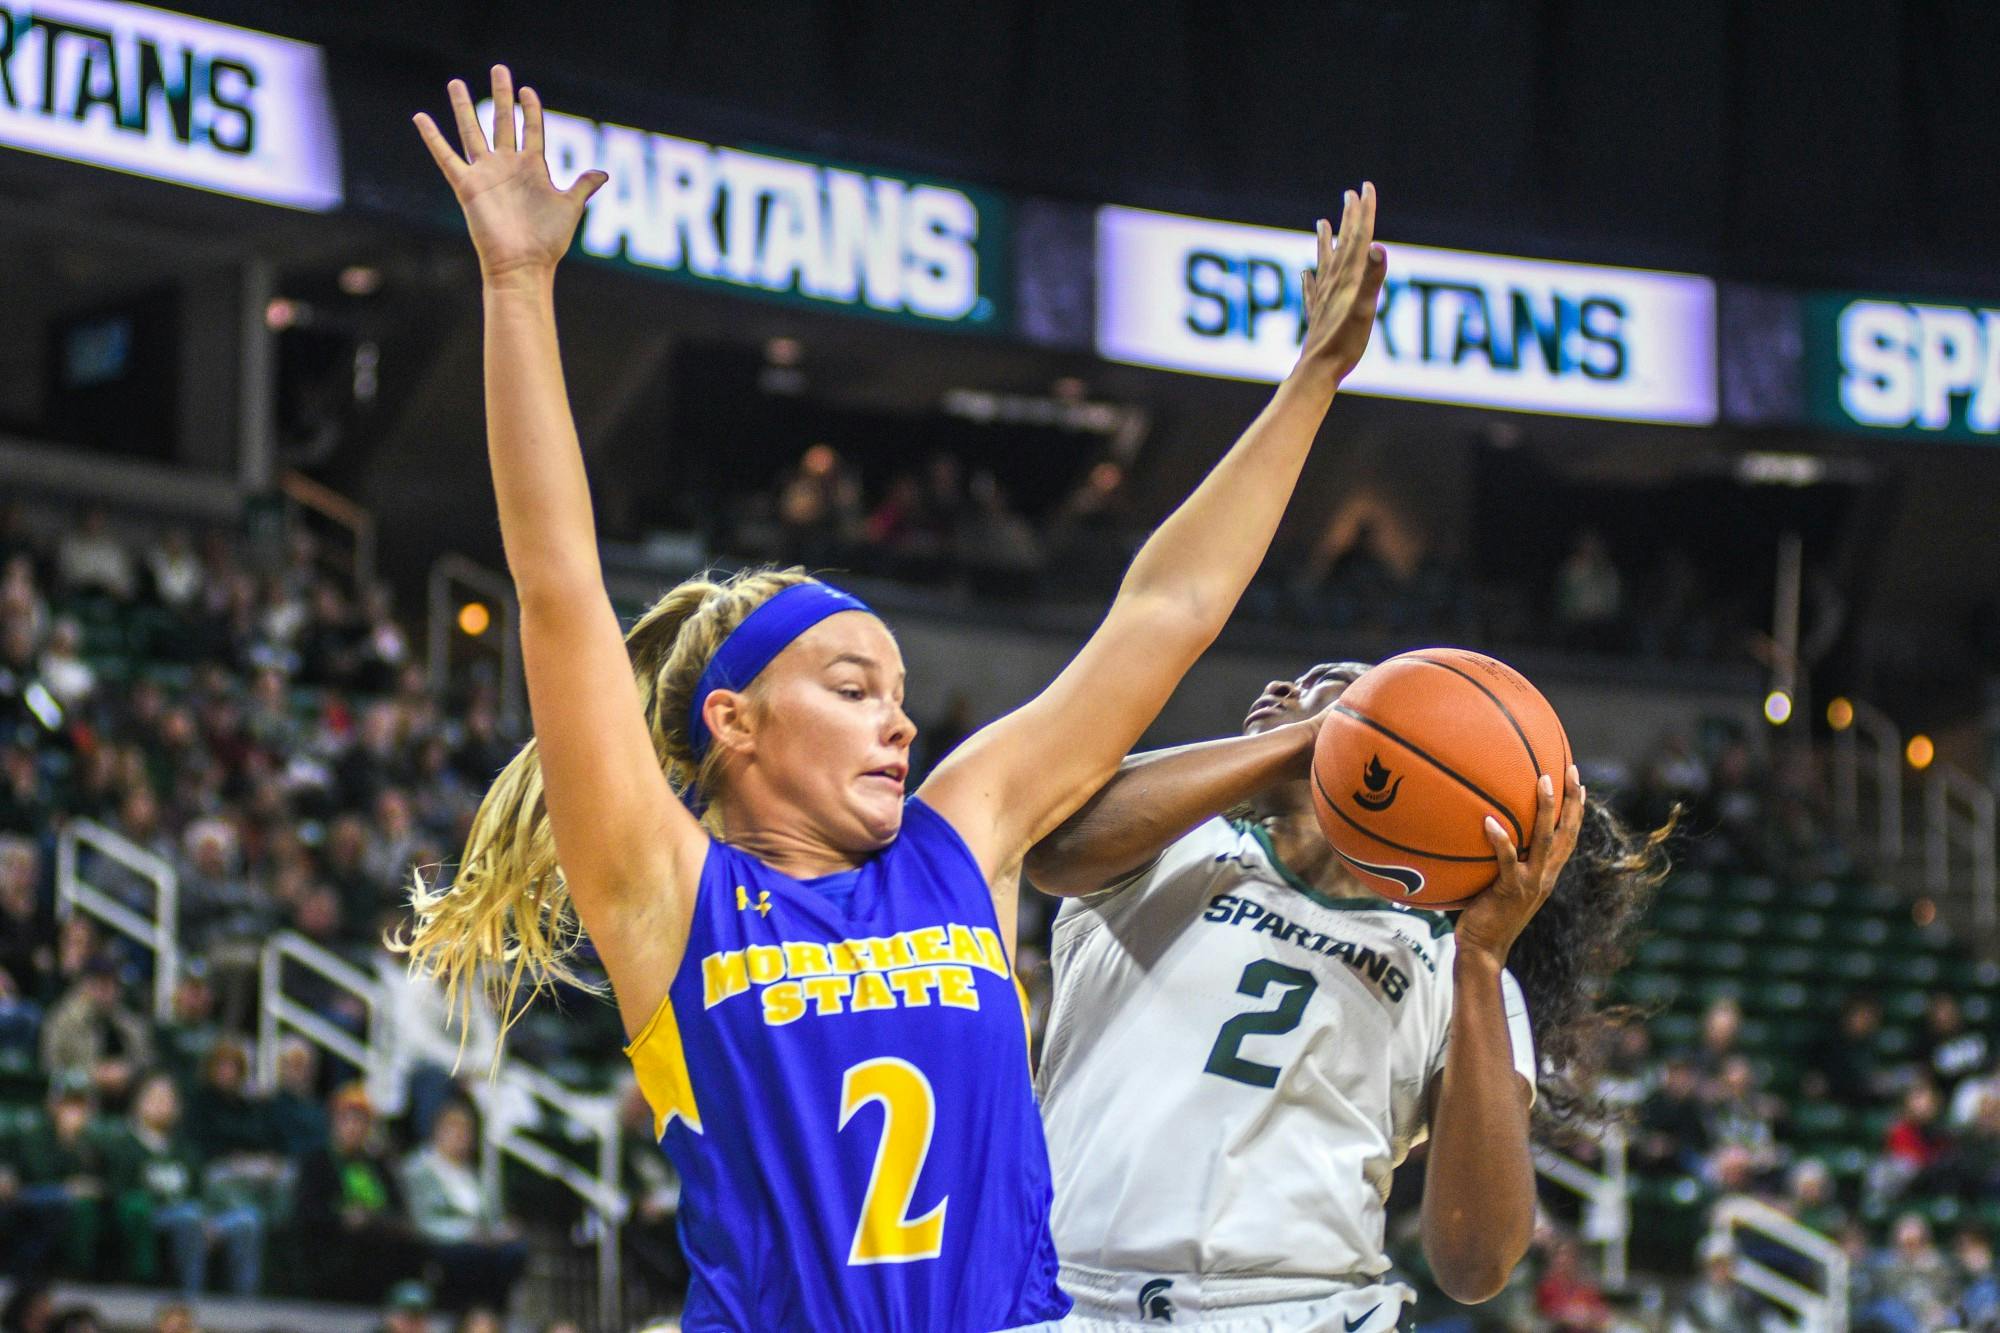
(1578, 940)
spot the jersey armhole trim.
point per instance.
(694, 915)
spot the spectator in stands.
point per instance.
(373, 763)
(1911, 1283)
(1917, 1152)
(819, 507)
(1721, 1030)
(329, 641)
(89, 559)
(993, 539)
(231, 1130)
(62, 667)
(298, 1117)
(92, 1034)
(1627, 1076)
(156, 1179)
(350, 1202)
(1715, 1304)
(409, 1309)
(1743, 1116)
(1589, 597)
(27, 803)
(1978, 1165)
(482, 751)
(1567, 1298)
(20, 1029)
(217, 902)
(391, 845)
(185, 1043)
(479, 1319)
(21, 600)
(382, 648)
(1846, 1063)
(479, 1254)
(1972, 1094)
(1978, 1281)
(60, 1160)
(27, 926)
(1673, 1124)
(174, 570)
(1810, 1199)
(1950, 1051)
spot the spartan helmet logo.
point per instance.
(1154, 1307)
(1377, 795)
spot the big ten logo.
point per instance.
(1931, 367)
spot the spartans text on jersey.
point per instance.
(1229, 910)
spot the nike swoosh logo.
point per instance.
(1411, 880)
(1353, 1324)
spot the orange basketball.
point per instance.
(1413, 758)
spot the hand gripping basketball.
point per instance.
(1496, 918)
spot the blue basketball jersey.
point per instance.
(840, 1074)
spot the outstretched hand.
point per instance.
(1496, 918)
(519, 220)
(1341, 290)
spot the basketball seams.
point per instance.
(1505, 712)
(1500, 807)
(1351, 822)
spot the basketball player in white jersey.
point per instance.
(1244, 1043)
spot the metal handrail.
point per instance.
(596, 1115)
(342, 512)
(277, 1011)
(453, 569)
(1818, 1311)
(1886, 761)
(1960, 810)
(160, 934)
(1606, 1196)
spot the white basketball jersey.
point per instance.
(1235, 1064)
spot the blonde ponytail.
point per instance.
(506, 918)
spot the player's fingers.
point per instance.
(471, 139)
(1505, 854)
(531, 123)
(1325, 233)
(1344, 245)
(1367, 229)
(589, 183)
(1543, 835)
(503, 109)
(1570, 826)
(441, 153)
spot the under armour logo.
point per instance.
(1154, 1307)
(763, 903)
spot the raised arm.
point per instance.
(1021, 776)
(623, 841)
(1479, 1181)
(1158, 796)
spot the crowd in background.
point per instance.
(954, 523)
(239, 716)
(235, 711)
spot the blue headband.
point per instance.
(763, 634)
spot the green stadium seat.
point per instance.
(1805, 926)
(1652, 988)
(1792, 961)
(1818, 896)
(1663, 951)
(1739, 923)
(1782, 998)
(1682, 919)
(1723, 956)
(1855, 966)
(1904, 1006)
(1869, 932)
(1820, 1120)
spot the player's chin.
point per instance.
(878, 817)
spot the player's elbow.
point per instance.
(1058, 866)
(1472, 1272)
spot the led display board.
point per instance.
(1222, 298)
(178, 99)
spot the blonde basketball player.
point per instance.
(1244, 1044)
(814, 970)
